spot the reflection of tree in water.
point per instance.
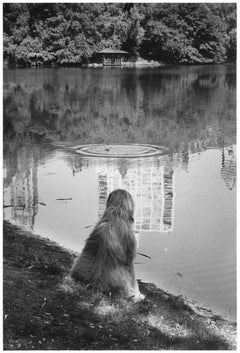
(228, 169)
(163, 106)
(206, 83)
(16, 110)
(191, 103)
(231, 81)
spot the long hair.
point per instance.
(107, 258)
(120, 205)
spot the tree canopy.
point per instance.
(69, 33)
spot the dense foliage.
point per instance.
(69, 33)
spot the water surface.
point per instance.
(185, 199)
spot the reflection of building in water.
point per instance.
(151, 186)
(228, 169)
(20, 189)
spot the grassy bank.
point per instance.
(44, 309)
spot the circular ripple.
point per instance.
(129, 150)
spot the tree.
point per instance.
(135, 33)
(69, 33)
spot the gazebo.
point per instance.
(112, 57)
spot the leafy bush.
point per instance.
(60, 33)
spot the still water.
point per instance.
(185, 198)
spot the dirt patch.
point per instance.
(45, 310)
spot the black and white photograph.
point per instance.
(119, 173)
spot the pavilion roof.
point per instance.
(112, 51)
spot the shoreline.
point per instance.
(44, 309)
(138, 65)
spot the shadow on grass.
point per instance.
(45, 310)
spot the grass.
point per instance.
(45, 310)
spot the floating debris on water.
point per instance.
(179, 275)
(139, 253)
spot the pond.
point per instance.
(167, 135)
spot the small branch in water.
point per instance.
(39, 203)
(179, 275)
(68, 198)
(139, 253)
(88, 226)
